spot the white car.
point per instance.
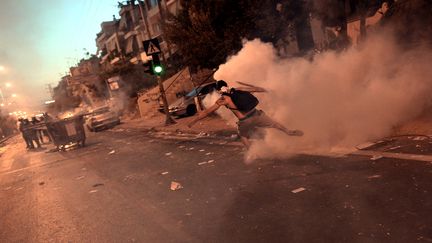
(101, 118)
(185, 106)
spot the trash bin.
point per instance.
(69, 131)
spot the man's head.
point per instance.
(221, 85)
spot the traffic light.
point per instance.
(148, 67)
(157, 66)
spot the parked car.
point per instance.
(101, 118)
(185, 106)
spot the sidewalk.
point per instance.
(212, 126)
(408, 147)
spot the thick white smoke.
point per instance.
(338, 99)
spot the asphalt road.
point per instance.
(117, 189)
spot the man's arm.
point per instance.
(204, 113)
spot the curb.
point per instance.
(223, 134)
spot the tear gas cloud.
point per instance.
(338, 99)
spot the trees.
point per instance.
(207, 32)
(411, 20)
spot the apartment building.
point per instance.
(121, 40)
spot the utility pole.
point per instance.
(158, 69)
(50, 90)
(144, 17)
(162, 16)
(152, 47)
(168, 119)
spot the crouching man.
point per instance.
(242, 103)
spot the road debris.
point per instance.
(98, 184)
(93, 191)
(300, 189)
(112, 152)
(366, 145)
(202, 134)
(377, 157)
(168, 154)
(164, 173)
(175, 186)
(374, 176)
(395, 147)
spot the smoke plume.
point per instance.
(339, 99)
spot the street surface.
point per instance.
(118, 189)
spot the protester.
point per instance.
(38, 130)
(243, 104)
(23, 128)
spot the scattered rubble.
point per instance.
(203, 134)
(377, 157)
(395, 147)
(366, 145)
(206, 162)
(175, 186)
(300, 189)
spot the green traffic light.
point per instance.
(158, 69)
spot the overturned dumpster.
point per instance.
(67, 132)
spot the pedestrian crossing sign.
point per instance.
(152, 46)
